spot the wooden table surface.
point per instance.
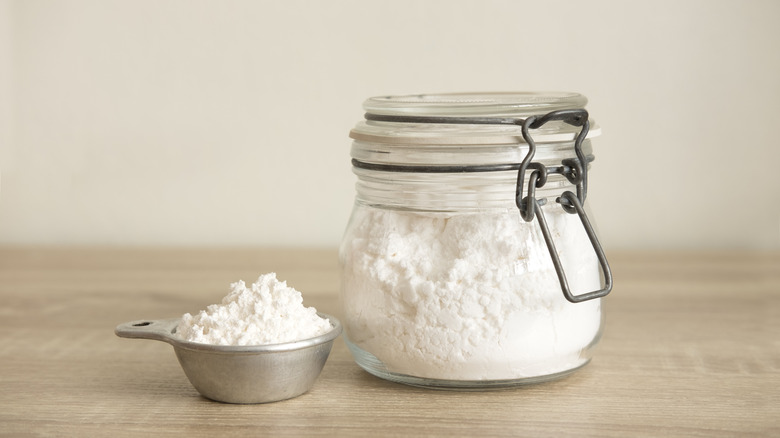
(691, 348)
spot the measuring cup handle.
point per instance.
(159, 330)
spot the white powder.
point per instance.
(467, 296)
(269, 312)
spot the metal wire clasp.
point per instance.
(576, 171)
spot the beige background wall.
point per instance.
(207, 122)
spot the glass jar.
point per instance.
(468, 260)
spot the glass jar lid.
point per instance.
(504, 104)
(517, 105)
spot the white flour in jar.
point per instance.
(467, 296)
(269, 312)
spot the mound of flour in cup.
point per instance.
(269, 312)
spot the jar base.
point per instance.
(375, 367)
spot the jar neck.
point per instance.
(451, 191)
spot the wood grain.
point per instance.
(691, 348)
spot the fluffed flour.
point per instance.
(467, 296)
(269, 312)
